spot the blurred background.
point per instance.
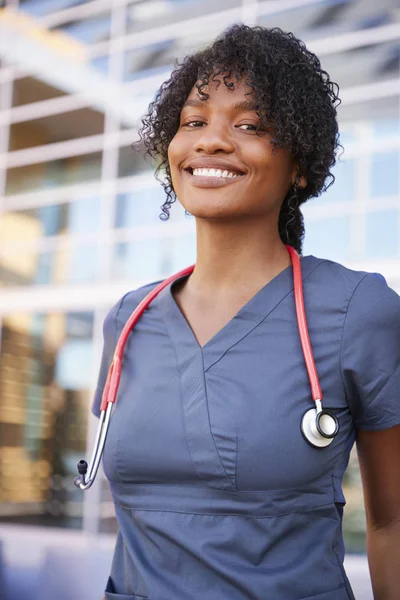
(79, 227)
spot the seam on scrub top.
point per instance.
(264, 318)
(209, 425)
(219, 514)
(341, 345)
(182, 417)
(236, 460)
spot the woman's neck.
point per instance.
(236, 255)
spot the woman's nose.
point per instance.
(215, 137)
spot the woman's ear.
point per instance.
(299, 181)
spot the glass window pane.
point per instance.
(30, 89)
(142, 207)
(22, 226)
(386, 127)
(56, 128)
(384, 174)
(151, 260)
(64, 171)
(77, 263)
(90, 30)
(145, 15)
(328, 239)
(382, 234)
(40, 8)
(342, 190)
(45, 376)
(159, 57)
(142, 260)
(131, 162)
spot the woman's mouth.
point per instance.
(212, 177)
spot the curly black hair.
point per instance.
(295, 99)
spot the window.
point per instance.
(384, 174)
(74, 263)
(145, 15)
(30, 89)
(342, 190)
(132, 162)
(382, 234)
(45, 377)
(39, 8)
(63, 171)
(151, 260)
(56, 128)
(79, 217)
(328, 238)
(386, 127)
(140, 261)
(142, 207)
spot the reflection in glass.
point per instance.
(151, 260)
(131, 162)
(56, 128)
(40, 8)
(382, 238)
(63, 171)
(45, 377)
(159, 57)
(384, 174)
(90, 30)
(74, 263)
(145, 15)
(30, 89)
(81, 216)
(142, 207)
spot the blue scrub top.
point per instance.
(217, 494)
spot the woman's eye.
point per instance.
(248, 125)
(194, 124)
(190, 123)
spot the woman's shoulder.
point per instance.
(123, 308)
(331, 277)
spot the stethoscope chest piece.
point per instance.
(319, 427)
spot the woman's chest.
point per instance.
(228, 417)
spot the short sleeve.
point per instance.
(110, 338)
(370, 354)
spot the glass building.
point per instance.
(79, 209)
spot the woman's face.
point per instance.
(219, 134)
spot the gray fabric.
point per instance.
(217, 493)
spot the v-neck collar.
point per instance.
(246, 319)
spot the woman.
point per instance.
(218, 495)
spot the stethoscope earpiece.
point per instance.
(319, 426)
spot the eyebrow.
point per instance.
(242, 105)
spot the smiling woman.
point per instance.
(225, 470)
(275, 95)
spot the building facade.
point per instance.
(79, 209)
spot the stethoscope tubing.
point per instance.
(88, 474)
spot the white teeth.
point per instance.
(214, 173)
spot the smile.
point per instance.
(212, 177)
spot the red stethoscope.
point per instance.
(319, 426)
